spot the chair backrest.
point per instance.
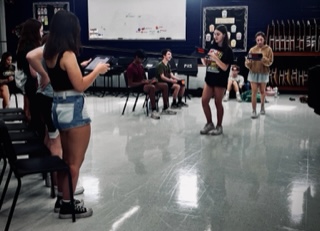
(6, 144)
(173, 65)
(125, 78)
(152, 73)
(124, 62)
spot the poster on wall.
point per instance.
(137, 20)
(44, 11)
(235, 18)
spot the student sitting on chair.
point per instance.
(235, 82)
(137, 78)
(6, 77)
(164, 74)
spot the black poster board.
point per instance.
(235, 18)
(44, 11)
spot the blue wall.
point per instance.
(260, 15)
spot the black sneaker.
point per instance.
(80, 211)
(58, 203)
(175, 106)
(182, 104)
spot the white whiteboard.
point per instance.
(137, 19)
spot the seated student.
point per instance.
(137, 78)
(6, 77)
(164, 74)
(235, 82)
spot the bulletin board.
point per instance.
(235, 18)
(44, 11)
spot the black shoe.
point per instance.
(80, 211)
(175, 106)
(182, 104)
(58, 203)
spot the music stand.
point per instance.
(150, 63)
(188, 67)
(173, 65)
(93, 63)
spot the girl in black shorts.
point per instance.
(218, 62)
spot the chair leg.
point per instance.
(135, 103)
(14, 202)
(125, 105)
(157, 101)
(16, 100)
(5, 188)
(53, 192)
(71, 196)
(145, 104)
(3, 169)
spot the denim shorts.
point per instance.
(69, 111)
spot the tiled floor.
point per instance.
(142, 174)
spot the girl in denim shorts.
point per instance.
(68, 110)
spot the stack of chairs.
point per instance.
(25, 153)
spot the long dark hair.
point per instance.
(4, 57)
(30, 38)
(64, 34)
(30, 34)
(224, 31)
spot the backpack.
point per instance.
(246, 96)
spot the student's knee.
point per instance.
(162, 86)
(176, 86)
(205, 100)
(152, 88)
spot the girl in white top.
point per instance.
(236, 82)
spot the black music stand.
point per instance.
(150, 63)
(92, 64)
(188, 67)
(173, 65)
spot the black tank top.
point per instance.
(59, 78)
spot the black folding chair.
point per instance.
(23, 167)
(137, 91)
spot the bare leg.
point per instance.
(182, 90)
(1, 95)
(74, 145)
(5, 95)
(218, 95)
(263, 93)
(254, 90)
(229, 85)
(235, 86)
(151, 90)
(176, 89)
(55, 148)
(207, 94)
(163, 87)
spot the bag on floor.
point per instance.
(246, 96)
